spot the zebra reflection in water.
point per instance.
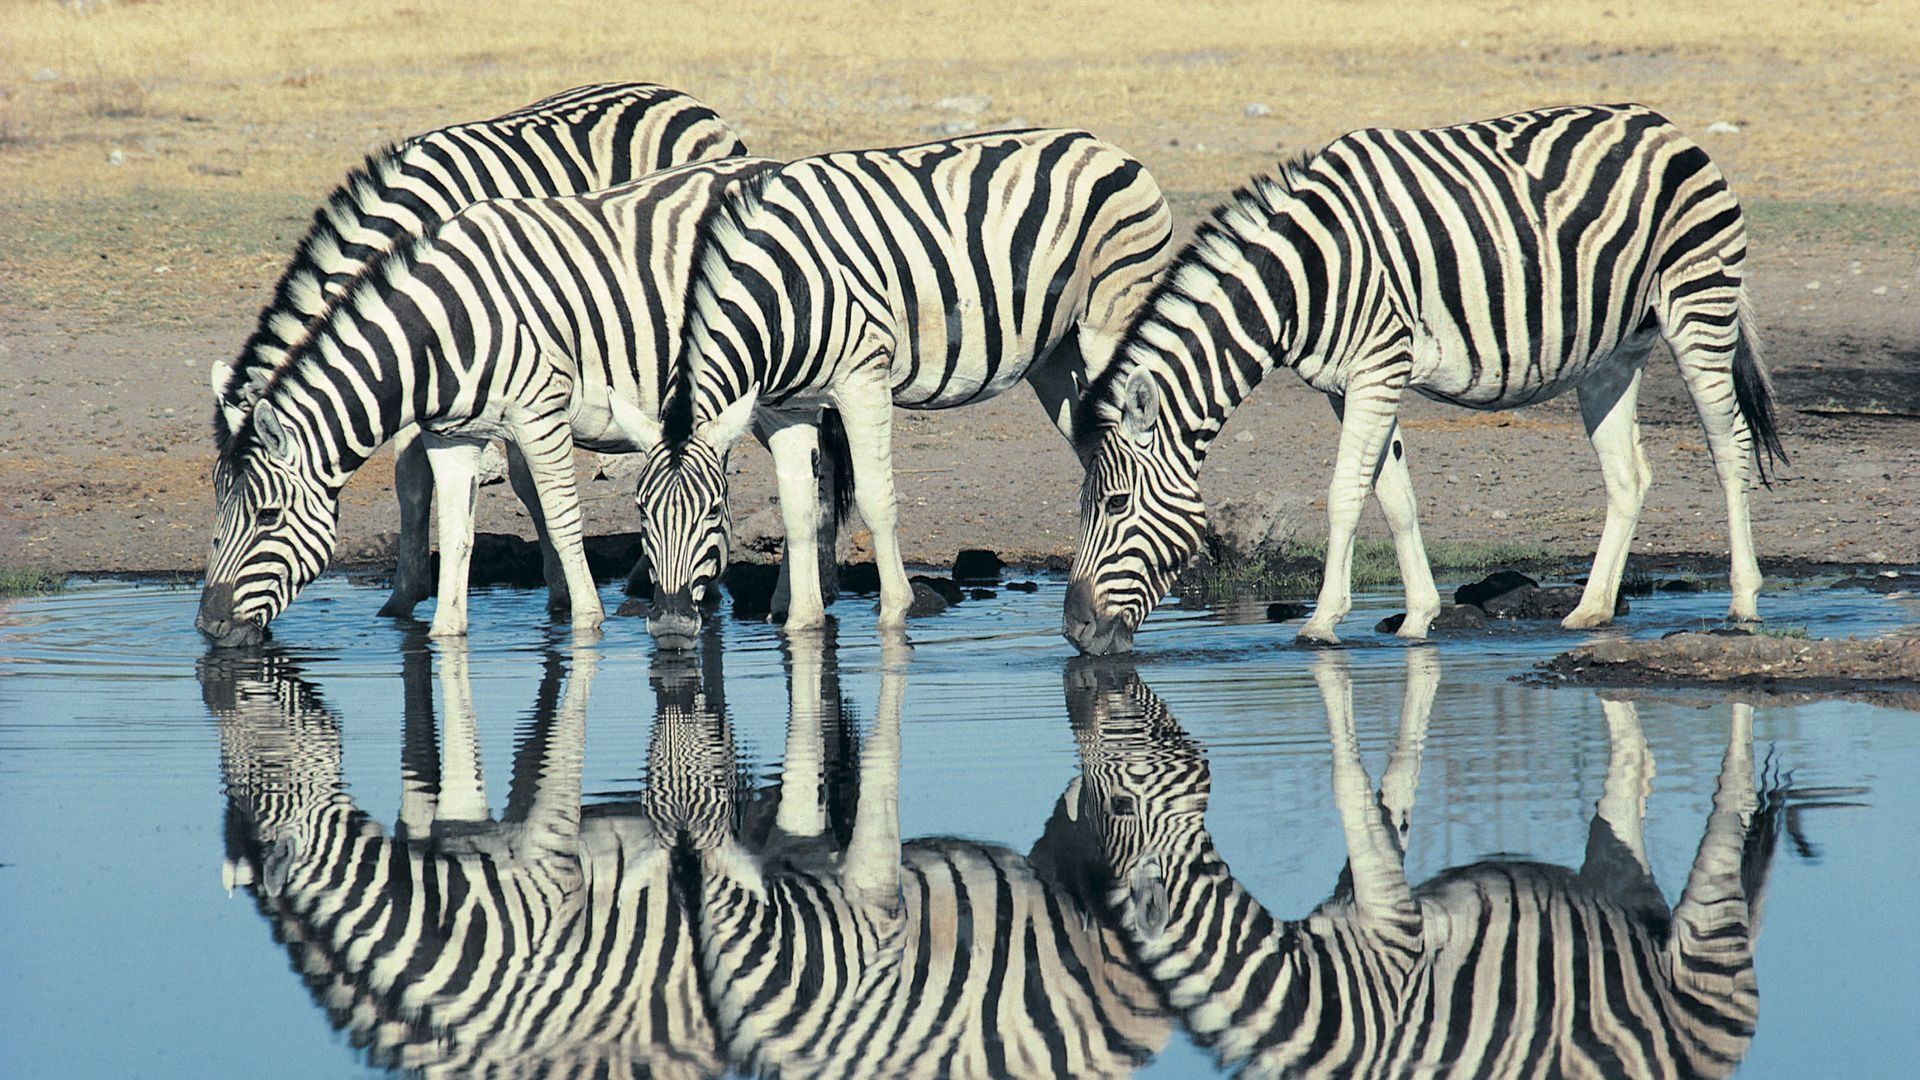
(1500, 968)
(551, 941)
(870, 956)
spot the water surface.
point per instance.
(360, 850)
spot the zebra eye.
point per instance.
(1117, 504)
(267, 517)
(1121, 806)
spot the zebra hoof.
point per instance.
(1582, 619)
(1315, 637)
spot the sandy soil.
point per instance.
(132, 493)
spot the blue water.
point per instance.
(139, 931)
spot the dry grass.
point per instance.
(234, 116)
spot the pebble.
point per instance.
(1721, 127)
(1813, 286)
(968, 104)
(950, 128)
(1285, 612)
(116, 158)
(1498, 515)
(1256, 110)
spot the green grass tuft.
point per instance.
(18, 581)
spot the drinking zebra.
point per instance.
(547, 322)
(576, 141)
(1492, 265)
(1500, 968)
(932, 957)
(553, 941)
(927, 277)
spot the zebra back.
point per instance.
(576, 141)
(476, 947)
(1505, 968)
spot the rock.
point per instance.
(1460, 617)
(947, 129)
(1255, 110)
(633, 606)
(1494, 584)
(493, 464)
(751, 587)
(861, 578)
(1887, 582)
(1024, 586)
(1532, 602)
(976, 565)
(964, 104)
(1390, 624)
(1721, 127)
(1681, 585)
(926, 600)
(981, 594)
(1281, 611)
(618, 466)
(501, 559)
(944, 586)
(117, 157)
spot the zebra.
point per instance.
(878, 957)
(1500, 968)
(1491, 265)
(927, 277)
(553, 941)
(546, 321)
(571, 143)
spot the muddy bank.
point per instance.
(1886, 668)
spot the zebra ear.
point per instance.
(1140, 409)
(273, 435)
(725, 429)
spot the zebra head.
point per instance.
(685, 527)
(276, 520)
(1143, 790)
(1141, 519)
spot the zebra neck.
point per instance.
(1225, 317)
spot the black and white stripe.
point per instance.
(874, 957)
(1501, 968)
(1492, 265)
(574, 142)
(928, 277)
(547, 322)
(553, 941)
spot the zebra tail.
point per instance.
(835, 452)
(1753, 394)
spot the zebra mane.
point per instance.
(302, 285)
(379, 275)
(722, 227)
(1217, 243)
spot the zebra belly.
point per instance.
(1448, 368)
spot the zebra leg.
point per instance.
(547, 444)
(456, 484)
(413, 487)
(1711, 942)
(463, 784)
(1609, 400)
(1058, 378)
(1367, 421)
(866, 408)
(870, 867)
(1393, 486)
(529, 494)
(796, 446)
(1374, 858)
(1704, 339)
(803, 811)
(1402, 778)
(1623, 796)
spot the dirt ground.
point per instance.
(147, 203)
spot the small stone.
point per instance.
(1721, 127)
(1879, 290)
(1024, 586)
(1459, 617)
(949, 128)
(1498, 583)
(1452, 479)
(1286, 612)
(1813, 286)
(1390, 624)
(493, 464)
(1497, 515)
(948, 591)
(1681, 585)
(1256, 109)
(980, 594)
(926, 600)
(1243, 437)
(977, 566)
(894, 103)
(116, 158)
(46, 75)
(964, 104)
